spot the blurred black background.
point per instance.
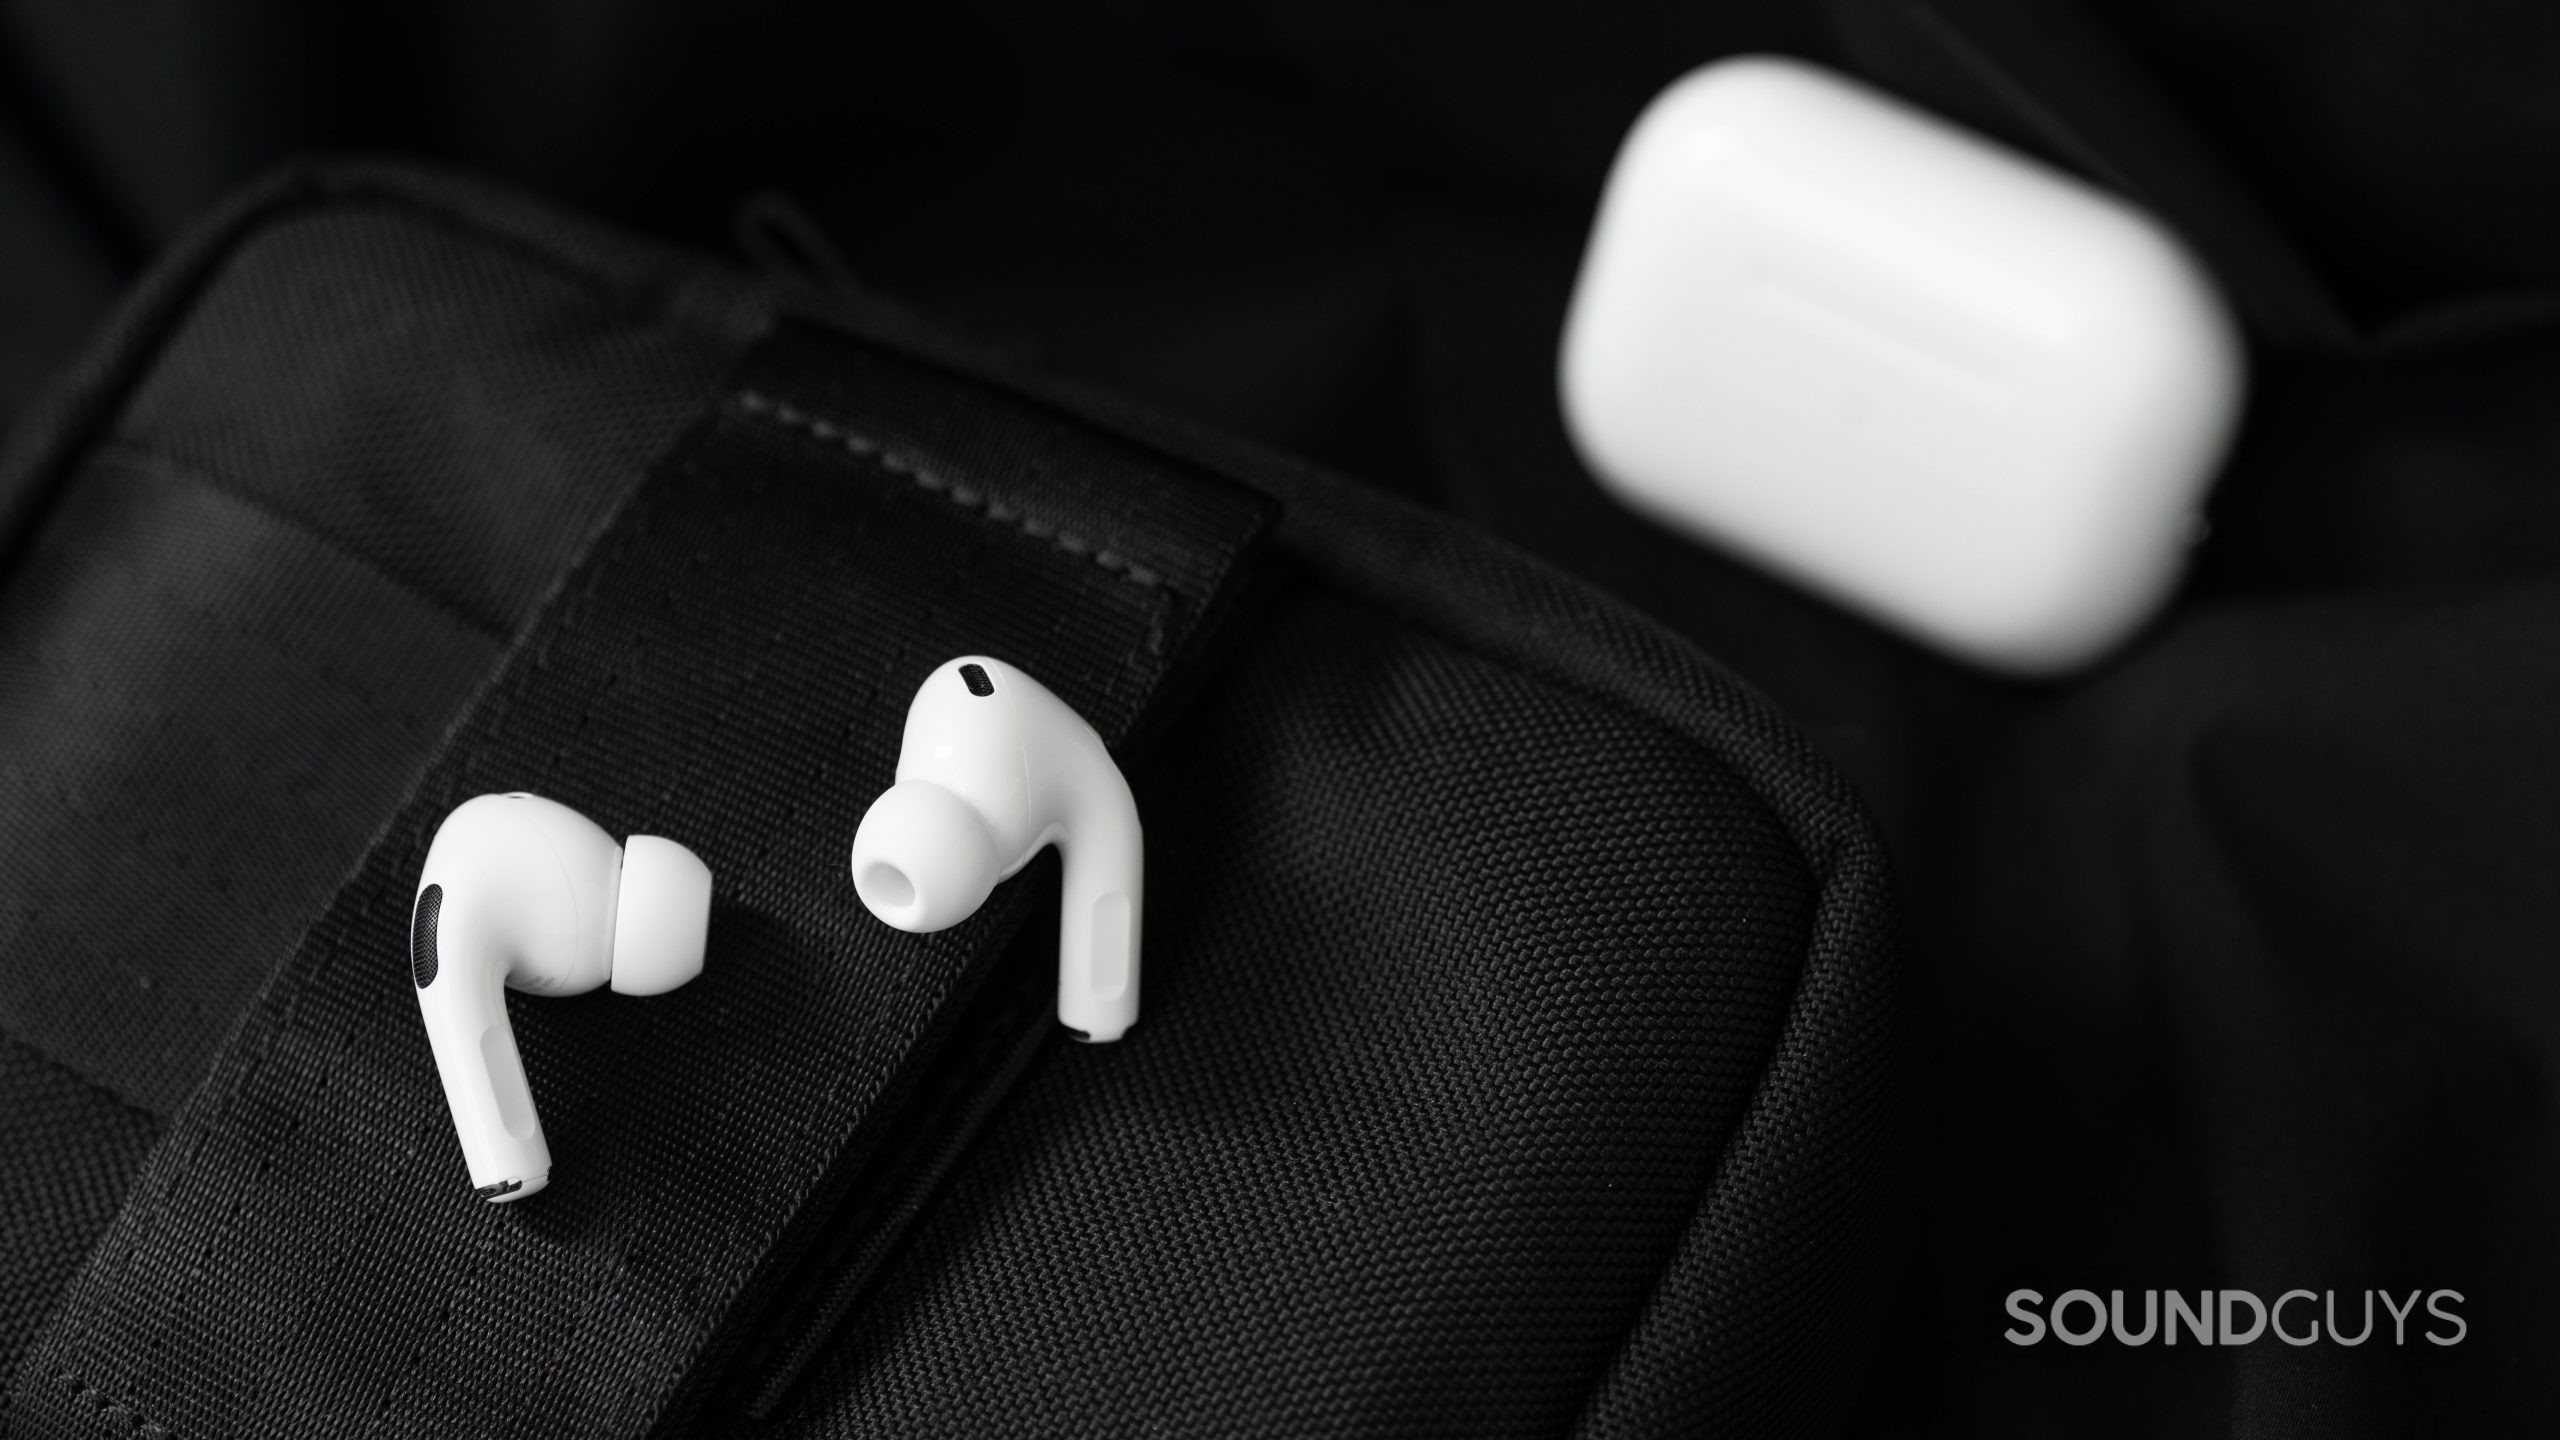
(2242, 944)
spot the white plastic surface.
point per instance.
(532, 895)
(923, 858)
(1026, 771)
(662, 919)
(1943, 384)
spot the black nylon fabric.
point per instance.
(207, 711)
(730, 666)
(209, 700)
(2203, 1029)
(70, 1149)
(1469, 980)
(457, 416)
(269, 586)
(1764, 1313)
(1654, 1192)
(1348, 230)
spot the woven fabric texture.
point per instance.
(259, 599)
(241, 627)
(1525, 1042)
(730, 667)
(461, 416)
(1462, 984)
(70, 1149)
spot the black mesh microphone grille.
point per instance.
(422, 936)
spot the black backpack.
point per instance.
(1525, 1048)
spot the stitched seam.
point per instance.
(499, 704)
(923, 477)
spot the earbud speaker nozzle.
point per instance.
(922, 859)
(662, 918)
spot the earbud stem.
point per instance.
(484, 1081)
(1100, 904)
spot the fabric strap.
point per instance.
(729, 666)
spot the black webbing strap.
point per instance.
(729, 666)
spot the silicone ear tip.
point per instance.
(662, 918)
(922, 859)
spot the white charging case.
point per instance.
(1951, 388)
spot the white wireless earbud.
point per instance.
(992, 768)
(519, 891)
